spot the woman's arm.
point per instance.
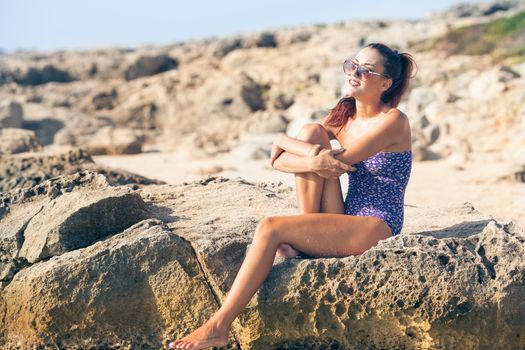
(295, 156)
(388, 132)
(295, 146)
(291, 163)
(282, 158)
(382, 136)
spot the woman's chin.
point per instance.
(350, 91)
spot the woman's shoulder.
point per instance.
(395, 112)
(399, 129)
(396, 118)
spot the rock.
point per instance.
(332, 81)
(225, 46)
(519, 175)
(109, 140)
(263, 40)
(253, 146)
(45, 129)
(506, 74)
(283, 101)
(266, 40)
(515, 173)
(132, 289)
(451, 98)
(75, 220)
(12, 228)
(252, 93)
(17, 141)
(150, 65)
(104, 100)
(11, 114)
(261, 153)
(339, 301)
(18, 172)
(299, 115)
(444, 281)
(266, 122)
(431, 133)
(138, 114)
(301, 37)
(419, 98)
(421, 153)
(419, 122)
(487, 85)
(47, 74)
(300, 111)
(19, 207)
(79, 129)
(480, 9)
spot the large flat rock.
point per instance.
(131, 290)
(442, 284)
(62, 214)
(75, 220)
(453, 279)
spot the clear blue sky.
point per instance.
(72, 24)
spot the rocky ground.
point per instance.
(88, 264)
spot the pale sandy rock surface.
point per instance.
(130, 290)
(58, 227)
(25, 170)
(13, 140)
(449, 280)
(110, 140)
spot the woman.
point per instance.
(376, 140)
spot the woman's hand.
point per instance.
(276, 152)
(325, 164)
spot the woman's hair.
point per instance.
(397, 66)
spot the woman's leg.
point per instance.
(320, 235)
(315, 194)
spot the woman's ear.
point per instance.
(387, 83)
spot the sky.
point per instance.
(49, 25)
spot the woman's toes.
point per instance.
(175, 344)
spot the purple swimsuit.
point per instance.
(378, 186)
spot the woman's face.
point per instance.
(371, 84)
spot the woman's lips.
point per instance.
(354, 82)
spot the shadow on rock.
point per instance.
(163, 213)
(462, 230)
(44, 129)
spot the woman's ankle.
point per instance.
(222, 323)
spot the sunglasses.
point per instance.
(363, 72)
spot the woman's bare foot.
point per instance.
(207, 335)
(286, 251)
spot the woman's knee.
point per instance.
(314, 132)
(267, 228)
